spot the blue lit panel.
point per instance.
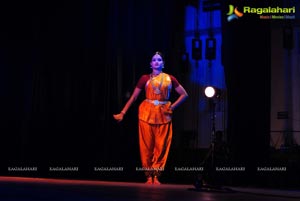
(204, 72)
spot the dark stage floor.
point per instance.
(29, 189)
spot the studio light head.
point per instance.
(209, 92)
(212, 92)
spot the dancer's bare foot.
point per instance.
(155, 180)
(149, 180)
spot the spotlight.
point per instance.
(196, 49)
(210, 49)
(210, 92)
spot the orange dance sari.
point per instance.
(155, 125)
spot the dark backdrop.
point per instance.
(66, 67)
(246, 56)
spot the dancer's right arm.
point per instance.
(133, 97)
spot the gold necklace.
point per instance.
(156, 89)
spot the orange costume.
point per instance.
(155, 117)
(155, 125)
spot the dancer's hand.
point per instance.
(119, 117)
(168, 111)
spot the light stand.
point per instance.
(209, 160)
(211, 93)
(213, 131)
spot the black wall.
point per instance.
(247, 63)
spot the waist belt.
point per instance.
(157, 102)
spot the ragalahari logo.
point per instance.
(233, 13)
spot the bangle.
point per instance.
(123, 113)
